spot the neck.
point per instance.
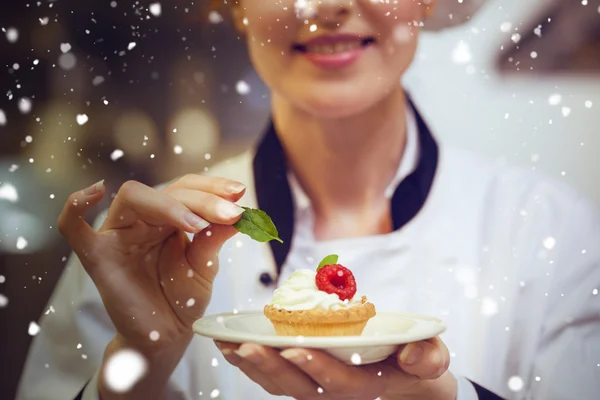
(344, 165)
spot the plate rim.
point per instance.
(217, 331)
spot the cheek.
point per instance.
(384, 15)
(396, 24)
(270, 26)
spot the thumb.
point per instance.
(204, 250)
(426, 359)
(71, 221)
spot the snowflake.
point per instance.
(124, 369)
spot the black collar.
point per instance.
(274, 195)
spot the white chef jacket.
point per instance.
(507, 258)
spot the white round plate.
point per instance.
(382, 336)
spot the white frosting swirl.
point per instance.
(300, 292)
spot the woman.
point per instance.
(349, 167)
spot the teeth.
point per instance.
(333, 48)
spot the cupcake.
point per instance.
(319, 303)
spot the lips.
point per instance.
(333, 44)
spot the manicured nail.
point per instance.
(229, 210)
(249, 353)
(412, 354)
(195, 221)
(235, 188)
(295, 356)
(95, 188)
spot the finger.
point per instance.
(230, 353)
(136, 201)
(204, 250)
(335, 377)
(426, 359)
(222, 187)
(211, 207)
(266, 362)
(71, 221)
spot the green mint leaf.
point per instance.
(329, 260)
(258, 225)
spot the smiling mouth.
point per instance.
(334, 47)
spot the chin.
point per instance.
(333, 103)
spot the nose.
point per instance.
(328, 13)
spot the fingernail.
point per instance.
(412, 354)
(195, 221)
(235, 188)
(249, 354)
(229, 210)
(95, 188)
(295, 356)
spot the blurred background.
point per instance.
(119, 90)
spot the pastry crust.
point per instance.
(319, 322)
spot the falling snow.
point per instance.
(489, 306)
(67, 61)
(242, 88)
(82, 119)
(3, 119)
(214, 394)
(155, 9)
(462, 53)
(154, 336)
(356, 359)
(65, 47)
(402, 33)
(554, 99)
(98, 80)
(33, 329)
(506, 27)
(21, 243)
(215, 18)
(12, 35)
(515, 384)
(8, 192)
(549, 243)
(25, 105)
(116, 154)
(3, 301)
(124, 369)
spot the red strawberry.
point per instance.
(336, 278)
